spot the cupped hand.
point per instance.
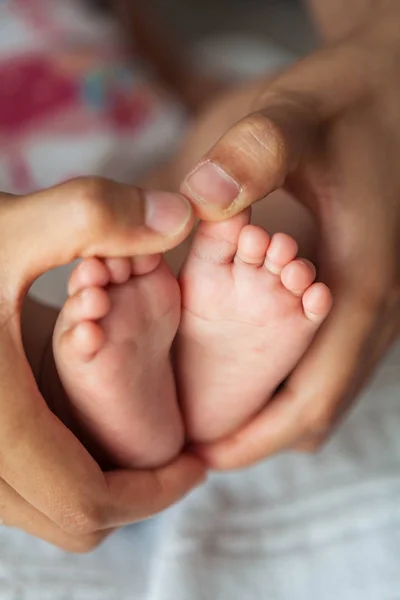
(328, 130)
(50, 486)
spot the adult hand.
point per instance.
(328, 129)
(50, 486)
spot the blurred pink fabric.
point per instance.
(64, 80)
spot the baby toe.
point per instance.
(317, 302)
(141, 265)
(297, 276)
(120, 269)
(89, 272)
(217, 242)
(252, 245)
(84, 340)
(88, 304)
(282, 250)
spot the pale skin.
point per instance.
(250, 308)
(362, 325)
(112, 347)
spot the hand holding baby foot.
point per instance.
(111, 344)
(63, 496)
(249, 312)
(328, 130)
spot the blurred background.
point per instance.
(284, 21)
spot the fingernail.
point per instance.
(210, 184)
(166, 213)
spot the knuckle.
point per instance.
(89, 200)
(85, 544)
(81, 518)
(263, 140)
(82, 544)
(316, 424)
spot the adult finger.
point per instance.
(153, 490)
(364, 321)
(256, 155)
(49, 468)
(314, 396)
(17, 513)
(382, 333)
(88, 217)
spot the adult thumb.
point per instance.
(86, 217)
(257, 154)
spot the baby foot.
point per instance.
(111, 345)
(249, 312)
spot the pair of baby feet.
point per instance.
(243, 313)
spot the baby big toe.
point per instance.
(252, 246)
(216, 243)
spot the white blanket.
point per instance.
(295, 527)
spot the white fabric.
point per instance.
(296, 527)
